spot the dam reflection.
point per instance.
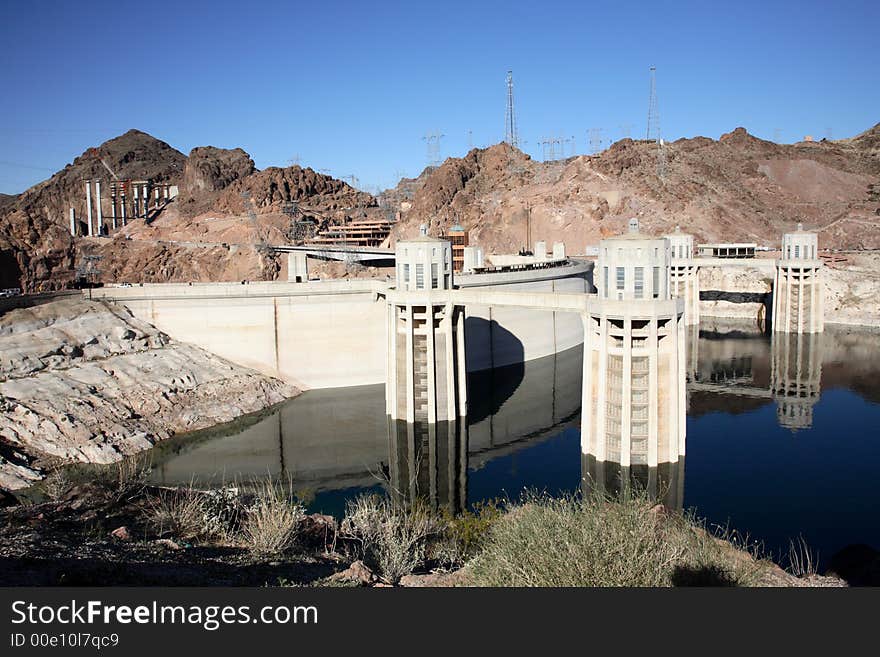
(663, 483)
(341, 438)
(741, 372)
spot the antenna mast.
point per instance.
(510, 135)
(652, 132)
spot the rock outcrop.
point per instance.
(208, 171)
(37, 251)
(738, 188)
(86, 381)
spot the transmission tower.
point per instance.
(432, 140)
(595, 140)
(652, 133)
(252, 215)
(88, 272)
(548, 153)
(510, 135)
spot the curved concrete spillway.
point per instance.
(332, 334)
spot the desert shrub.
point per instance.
(57, 484)
(127, 478)
(594, 541)
(178, 513)
(271, 523)
(463, 534)
(393, 537)
(802, 561)
(223, 511)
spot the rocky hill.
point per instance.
(36, 249)
(206, 234)
(736, 188)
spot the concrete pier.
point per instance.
(798, 292)
(633, 404)
(113, 205)
(98, 207)
(89, 205)
(684, 274)
(297, 267)
(426, 380)
(72, 222)
(664, 483)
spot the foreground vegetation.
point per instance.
(537, 541)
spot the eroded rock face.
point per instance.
(36, 248)
(209, 169)
(85, 381)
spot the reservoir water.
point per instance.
(782, 438)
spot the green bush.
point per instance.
(572, 541)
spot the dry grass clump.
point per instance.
(573, 541)
(178, 513)
(57, 483)
(393, 538)
(271, 524)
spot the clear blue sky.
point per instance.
(353, 86)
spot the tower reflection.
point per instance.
(796, 377)
(663, 483)
(428, 462)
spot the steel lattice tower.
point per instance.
(510, 135)
(432, 140)
(652, 133)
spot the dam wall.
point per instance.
(331, 334)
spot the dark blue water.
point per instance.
(743, 469)
(748, 465)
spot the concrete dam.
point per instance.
(331, 334)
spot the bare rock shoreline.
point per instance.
(83, 381)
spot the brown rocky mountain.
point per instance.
(736, 188)
(206, 234)
(36, 249)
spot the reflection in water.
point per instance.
(743, 468)
(736, 369)
(341, 438)
(796, 377)
(428, 462)
(664, 483)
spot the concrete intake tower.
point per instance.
(426, 385)
(633, 405)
